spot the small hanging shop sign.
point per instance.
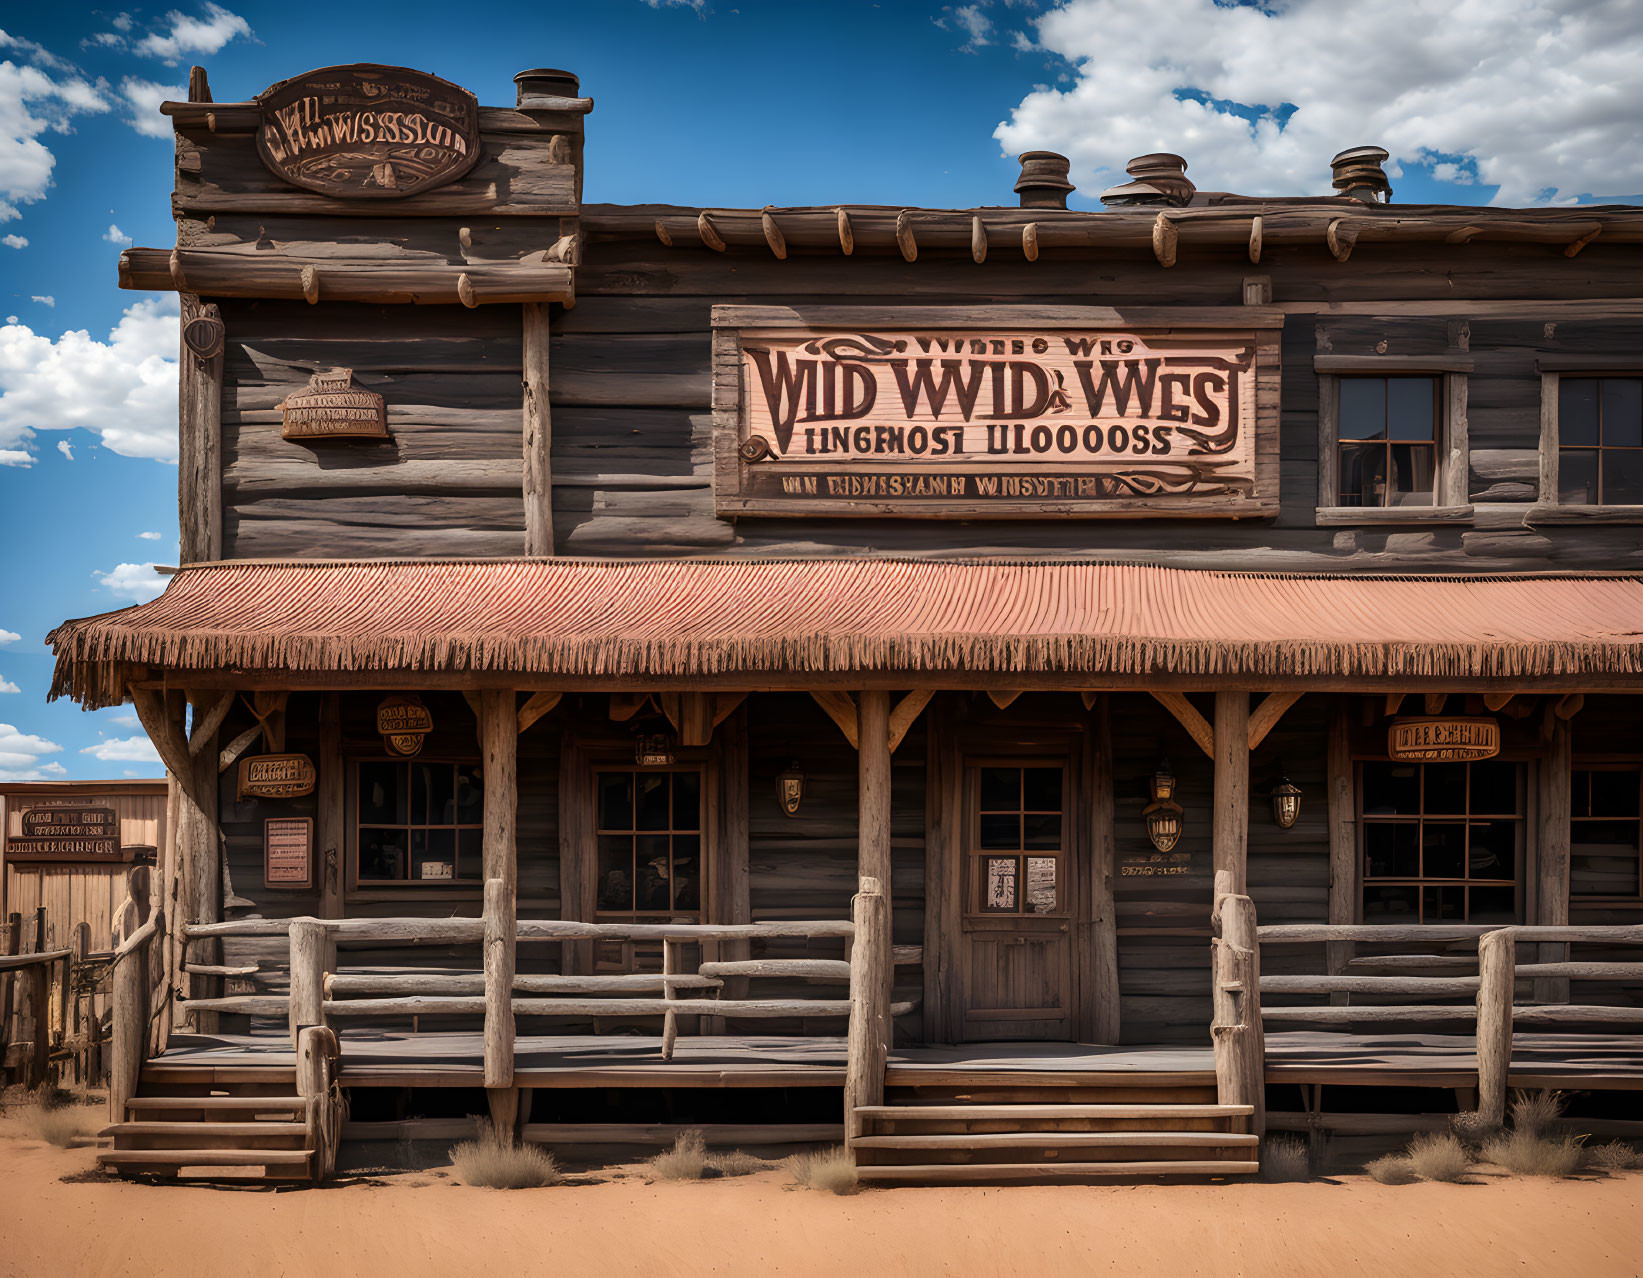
(403, 721)
(67, 833)
(1443, 740)
(288, 852)
(367, 131)
(276, 776)
(332, 407)
(653, 751)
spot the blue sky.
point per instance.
(899, 102)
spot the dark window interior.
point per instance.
(650, 843)
(419, 822)
(1606, 832)
(1387, 442)
(1600, 441)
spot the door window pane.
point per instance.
(1017, 810)
(650, 845)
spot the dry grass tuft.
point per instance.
(687, 1160)
(1526, 1153)
(736, 1163)
(1285, 1158)
(830, 1169)
(1473, 1128)
(60, 1125)
(1438, 1156)
(1533, 1112)
(1616, 1156)
(490, 1164)
(1393, 1169)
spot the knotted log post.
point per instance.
(308, 953)
(129, 1015)
(873, 817)
(1240, 1044)
(317, 1053)
(1496, 976)
(869, 1033)
(499, 739)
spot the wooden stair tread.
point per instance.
(1034, 1110)
(217, 1102)
(205, 1157)
(972, 1140)
(1046, 1171)
(204, 1129)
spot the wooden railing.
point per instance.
(137, 973)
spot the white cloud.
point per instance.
(972, 22)
(14, 241)
(699, 6)
(114, 235)
(15, 457)
(132, 581)
(33, 102)
(45, 299)
(194, 35)
(150, 536)
(66, 448)
(143, 98)
(135, 749)
(121, 22)
(9, 636)
(20, 756)
(6, 685)
(1539, 97)
(123, 390)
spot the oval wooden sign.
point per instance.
(367, 131)
(276, 776)
(1439, 740)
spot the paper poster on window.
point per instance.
(437, 870)
(1041, 884)
(1002, 887)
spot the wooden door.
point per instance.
(1016, 899)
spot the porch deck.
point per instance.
(382, 1058)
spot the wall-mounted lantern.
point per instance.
(1286, 803)
(790, 788)
(654, 750)
(1163, 815)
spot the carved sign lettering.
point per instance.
(1434, 740)
(288, 852)
(992, 422)
(276, 776)
(368, 131)
(68, 832)
(332, 407)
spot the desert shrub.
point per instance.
(60, 1125)
(687, 1160)
(1527, 1153)
(1472, 1128)
(830, 1169)
(1392, 1169)
(1616, 1156)
(736, 1163)
(1285, 1158)
(1438, 1156)
(1533, 1112)
(491, 1164)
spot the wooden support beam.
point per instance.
(1496, 701)
(624, 705)
(1164, 239)
(538, 432)
(1003, 700)
(1574, 246)
(906, 713)
(708, 233)
(847, 237)
(1494, 1023)
(499, 736)
(1343, 833)
(1569, 705)
(978, 239)
(905, 239)
(269, 707)
(1265, 716)
(238, 746)
(724, 705)
(1104, 1002)
(173, 749)
(199, 442)
(540, 703)
(205, 727)
(841, 710)
(773, 234)
(1434, 702)
(1553, 853)
(1393, 701)
(695, 722)
(1089, 699)
(1187, 715)
(309, 945)
(330, 816)
(1229, 836)
(868, 1043)
(663, 234)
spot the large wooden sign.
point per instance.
(332, 407)
(276, 776)
(67, 832)
(288, 852)
(1439, 740)
(403, 721)
(1002, 412)
(368, 131)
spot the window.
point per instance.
(419, 822)
(1606, 832)
(1386, 447)
(650, 843)
(1442, 842)
(1600, 441)
(1017, 844)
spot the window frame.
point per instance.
(1605, 763)
(972, 916)
(1451, 480)
(362, 888)
(700, 769)
(1549, 507)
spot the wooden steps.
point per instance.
(1024, 1128)
(239, 1124)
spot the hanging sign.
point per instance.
(276, 776)
(68, 832)
(1004, 420)
(403, 722)
(367, 131)
(332, 407)
(288, 852)
(1439, 740)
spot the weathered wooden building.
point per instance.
(1017, 687)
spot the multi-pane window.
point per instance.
(419, 822)
(1442, 842)
(1606, 832)
(650, 843)
(1387, 437)
(1600, 441)
(1017, 848)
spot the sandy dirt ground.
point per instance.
(612, 1222)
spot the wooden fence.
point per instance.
(52, 1002)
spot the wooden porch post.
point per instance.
(1343, 838)
(1552, 859)
(871, 970)
(873, 834)
(1103, 1026)
(1230, 834)
(499, 735)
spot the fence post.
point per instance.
(1496, 978)
(499, 965)
(869, 1039)
(11, 942)
(670, 1020)
(308, 945)
(1237, 1035)
(316, 1066)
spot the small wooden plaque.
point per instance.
(1443, 740)
(288, 852)
(332, 407)
(276, 776)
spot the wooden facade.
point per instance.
(811, 858)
